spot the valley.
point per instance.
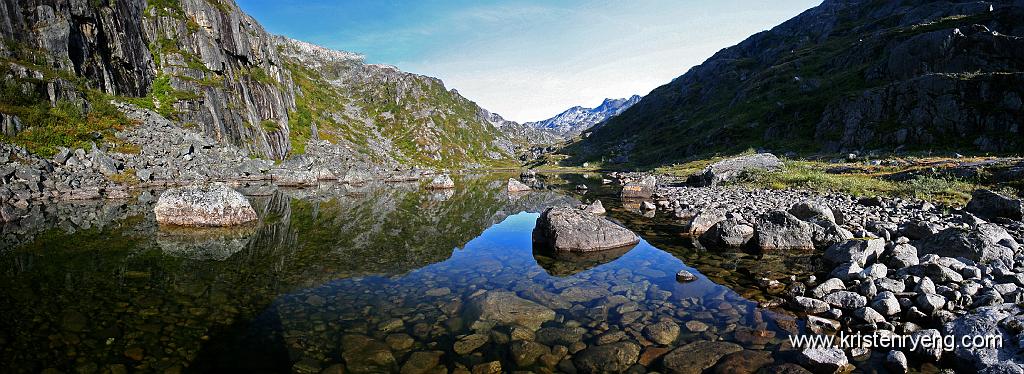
(855, 169)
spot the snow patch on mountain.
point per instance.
(577, 119)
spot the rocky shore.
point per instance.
(158, 154)
(889, 267)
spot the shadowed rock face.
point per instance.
(845, 75)
(227, 77)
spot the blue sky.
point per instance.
(529, 60)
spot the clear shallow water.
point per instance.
(98, 287)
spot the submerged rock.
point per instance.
(209, 205)
(505, 308)
(608, 358)
(568, 229)
(697, 356)
(732, 168)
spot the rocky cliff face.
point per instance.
(846, 75)
(574, 121)
(394, 116)
(202, 62)
(214, 69)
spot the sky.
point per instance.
(530, 60)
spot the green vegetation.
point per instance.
(813, 176)
(384, 110)
(162, 97)
(126, 177)
(66, 124)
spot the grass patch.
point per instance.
(126, 177)
(162, 97)
(66, 124)
(811, 175)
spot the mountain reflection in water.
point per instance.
(100, 287)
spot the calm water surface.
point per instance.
(360, 276)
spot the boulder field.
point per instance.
(889, 266)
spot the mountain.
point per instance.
(212, 68)
(845, 75)
(577, 119)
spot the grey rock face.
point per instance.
(809, 305)
(860, 252)
(983, 243)
(827, 287)
(886, 303)
(846, 300)
(568, 229)
(640, 189)
(902, 255)
(210, 205)
(730, 233)
(812, 210)
(780, 231)
(990, 205)
(896, 362)
(986, 322)
(821, 360)
(704, 220)
(730, 169)
(595, 208)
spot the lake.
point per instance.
(375, 278)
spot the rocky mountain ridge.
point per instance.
(576, 120)
(210, 67)
(905, 75)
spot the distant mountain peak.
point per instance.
(578, 119)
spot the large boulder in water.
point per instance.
(203, 206)
(641, 189)
(990, 205)
(731, 168)
(568, 229)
